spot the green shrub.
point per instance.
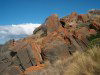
(94, 42)
(83, 25)
(94, 37)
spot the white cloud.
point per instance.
(23, 28)
(16, 31)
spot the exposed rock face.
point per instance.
(52, 23)
(55, 39)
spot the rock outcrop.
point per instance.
(54, 39)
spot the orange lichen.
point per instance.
(34, 68)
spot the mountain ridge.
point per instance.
(57, 38)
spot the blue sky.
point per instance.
(18, 18)
(35, 11)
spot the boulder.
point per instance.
(52, 23)
(55, 48)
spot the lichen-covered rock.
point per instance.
(55, 48)
(52, 23)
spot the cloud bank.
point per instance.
(16, 31)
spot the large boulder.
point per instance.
(52, 23)
(55, 48)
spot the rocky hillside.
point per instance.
(56, 39)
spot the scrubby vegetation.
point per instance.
(94, 40)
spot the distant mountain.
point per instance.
(1, 46)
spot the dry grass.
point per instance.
(86, 63)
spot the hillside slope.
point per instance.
(56, 39)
